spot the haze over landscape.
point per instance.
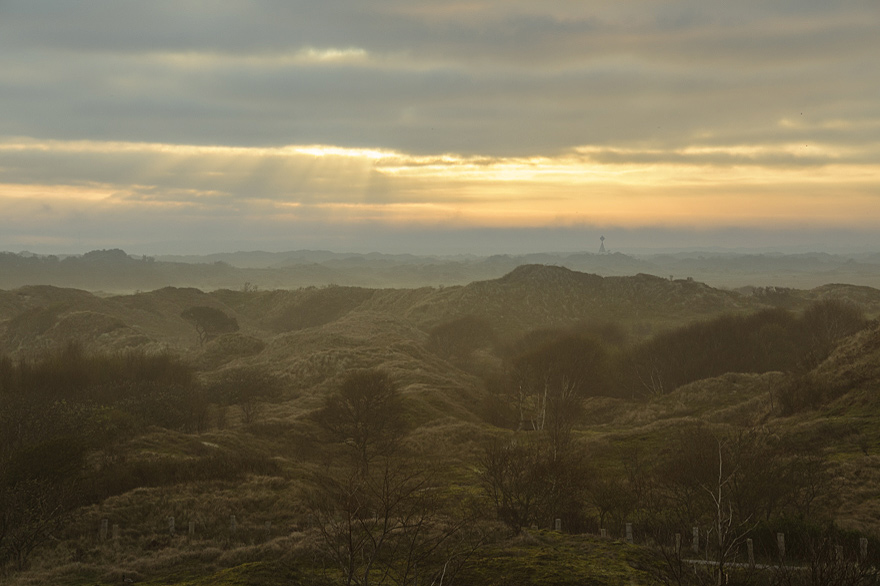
(438, 293)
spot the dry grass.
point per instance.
(387, 330)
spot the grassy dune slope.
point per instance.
(312, 337)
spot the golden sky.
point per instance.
(212, 125)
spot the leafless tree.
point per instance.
(32, 511)
(391, 525)
(827, 563)
(366, 414)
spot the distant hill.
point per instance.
(114, 271)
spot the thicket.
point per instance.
(59, 409)
(383, 515)
(770, 340)
(461, 337)
(544, 378)
(545, 375)
(248, 387)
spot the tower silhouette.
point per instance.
(601, 244)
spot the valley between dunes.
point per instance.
(651, 364)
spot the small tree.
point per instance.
(514, 476)
(366, 414)
(249, 388)
(391, 525)
(528, 482)
(209, 322)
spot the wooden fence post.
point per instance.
(695, 544)
(750, 545)
(629, 532)
(678, 544)
(780, 543)
(558, 524)
(863, 548)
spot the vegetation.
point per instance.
(426, 447)
(773, 339)
(366, 414)
(461, 337)
(209, 322)
(64, 419)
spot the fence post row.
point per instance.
(603, 532)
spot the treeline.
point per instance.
(63, 414)
(552, 371)
(770, 340)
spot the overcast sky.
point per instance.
(458, 126)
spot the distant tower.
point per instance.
(601, 244)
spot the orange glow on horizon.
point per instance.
(696, 186)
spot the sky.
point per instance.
(461, 126)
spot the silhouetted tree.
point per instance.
(460, 337)
(391, 525)
(247, 387)
(209, 322)
(366, 413)
(529, 482)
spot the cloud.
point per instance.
(469, 112)
(481, 77)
